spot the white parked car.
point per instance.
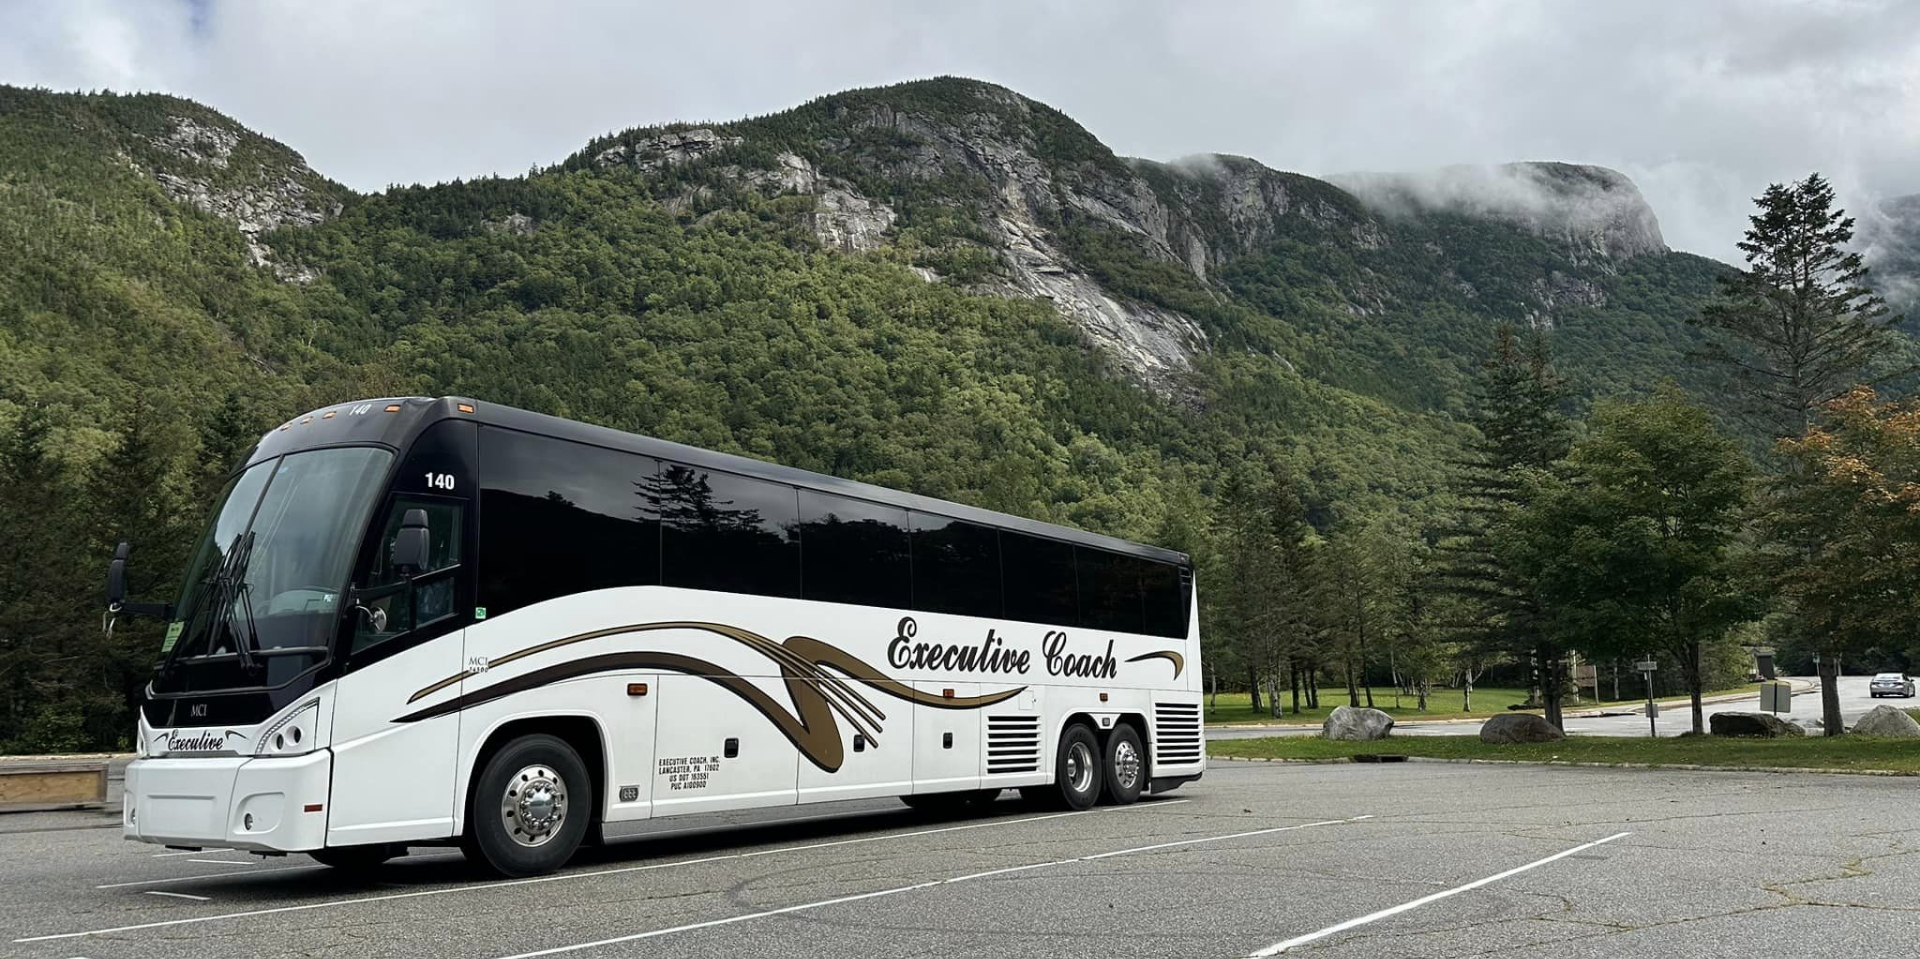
(1891, 684)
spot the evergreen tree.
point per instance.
(1796, 329)
(1522, 431)
(1799, 326)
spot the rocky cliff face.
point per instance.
(1596, 214)
(957, 172)
(1021, 176)
(238, 176)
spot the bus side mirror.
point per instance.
(117, 576)
(410, 543)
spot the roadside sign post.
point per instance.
(1647, 666)
(1776, 697)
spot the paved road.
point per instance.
(1674, 719)
(1615, 864)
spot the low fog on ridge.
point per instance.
(1701, 104)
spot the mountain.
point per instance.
(940, 286)
(1161, 263)
(1190, 313)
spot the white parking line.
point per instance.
(225, 862)
(188, 852)
(929, 884)
(177, 895)
(1280, 947)
(562, 877)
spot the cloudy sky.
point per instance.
(1702, 102)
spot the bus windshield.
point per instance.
(267, 576)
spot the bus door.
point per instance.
(395, 780)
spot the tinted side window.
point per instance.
(1165, 598)
(1040, 579)
(853, 552)
(559, 517)
(956, 567)
(726, 532)
(1110, 590)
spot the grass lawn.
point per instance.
(1441, 704)
(1844, 752)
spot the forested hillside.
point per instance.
(939, 286)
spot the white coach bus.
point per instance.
(437, 621)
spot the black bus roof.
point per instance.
(394, 421)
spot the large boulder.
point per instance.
(1762, 725)
(1520, 728)
(1353, 724)
(1887, 721)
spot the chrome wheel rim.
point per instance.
(534, 805)
(1126, 764)
(1079, 767)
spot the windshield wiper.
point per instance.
(223, 589)
(236, 592)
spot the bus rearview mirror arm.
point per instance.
(117, 589)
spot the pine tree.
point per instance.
(1799, 326)
(1522, 430)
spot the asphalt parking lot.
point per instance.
(1395, 860)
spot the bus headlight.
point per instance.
(292, 734)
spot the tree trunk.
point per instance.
(1213, 695)
(1353, 692)
(1313, 685)
(1695, 682)
(1420, 690)
(1293, 681)
(1253, 688)
(1830, 720)
(1466, 693)
(1550, 687)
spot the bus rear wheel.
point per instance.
(1126, 766)
(1077, 772)
(530, 807)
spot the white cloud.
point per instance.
(1703, 102)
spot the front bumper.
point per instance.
(272, 805)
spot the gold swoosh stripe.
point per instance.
(1179, 662)
(817, 695)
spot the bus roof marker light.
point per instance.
(304, 420)
(465, 407)
(394, 408)
(328, 414)
(946, 694)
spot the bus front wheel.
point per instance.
(531, 807)
(1077, 769)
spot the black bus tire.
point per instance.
(1077, 775)
(512, 822)
(1125, 765)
